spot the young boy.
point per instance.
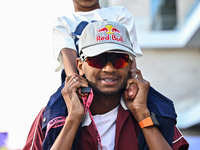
(67, 30)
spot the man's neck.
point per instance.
(102, 104)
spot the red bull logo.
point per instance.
(104, 29)
(109, 29)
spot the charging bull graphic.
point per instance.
(109, 29)
(104, 29)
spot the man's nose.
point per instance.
(109, 67)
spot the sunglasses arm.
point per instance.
(83, 57)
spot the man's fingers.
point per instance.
(73, 86)
(72, 83)
(80, 95)
(76, 80)
(134, 72)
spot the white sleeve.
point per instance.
(62, 38)
(126, 18)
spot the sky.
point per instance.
(27, 63)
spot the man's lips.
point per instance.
(109, 80)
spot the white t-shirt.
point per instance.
(106, 125)
(64, 27)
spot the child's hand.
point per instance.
(131, 91)
(131, 88)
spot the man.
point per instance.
(103, 119)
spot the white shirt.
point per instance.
(106, 126)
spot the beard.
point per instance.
(109, 93)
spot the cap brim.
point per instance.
(95, 50)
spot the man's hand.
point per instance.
(138, 107)
(135, 95)
(73, 86)
(75, 112)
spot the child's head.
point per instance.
(85, 5)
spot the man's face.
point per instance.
(87, 5)
(108, 80)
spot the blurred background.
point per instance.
(169, 35)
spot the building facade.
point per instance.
(169, 35)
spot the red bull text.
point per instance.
(108, 37)
(110, 30)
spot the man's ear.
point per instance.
(133, 64)
(79, 64)
(130, 65)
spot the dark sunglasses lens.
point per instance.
(97, 61)
(120, 60)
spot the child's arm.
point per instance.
(69, 61)
(63, 46)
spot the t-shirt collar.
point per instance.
(86, 120)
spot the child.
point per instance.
(67, 30)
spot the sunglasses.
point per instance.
(118, 60)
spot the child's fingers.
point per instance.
(132, 91)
